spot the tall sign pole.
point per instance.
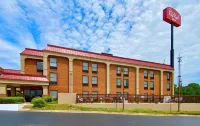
(171, 16)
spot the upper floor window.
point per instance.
(53, 63)
(118, 83)
(94, 81)
(145, 74)
(168, 76)
(53, 78)
(85, 66)
(94, 68)
(151, 74)
(125, 71)
(145, 84)
(168, 86)
(152, 85)
(39, 66)
(125, 83)
(118, 70)
(85, 80)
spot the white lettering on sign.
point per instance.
(173, 15)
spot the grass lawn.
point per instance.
(80, 108)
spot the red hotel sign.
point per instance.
(170, 15)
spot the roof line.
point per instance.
(21, 74)
(105, 55)
(34, 49)
(24, 80)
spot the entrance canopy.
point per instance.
(16, 78)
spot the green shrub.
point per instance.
(48, 99)
(11, 100)
(17, 94)
(38, 102)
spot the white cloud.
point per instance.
(133, 28)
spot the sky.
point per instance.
(128, 28)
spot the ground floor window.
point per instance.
(54, 94)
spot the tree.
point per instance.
(190, 89)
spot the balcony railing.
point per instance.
(130, 98)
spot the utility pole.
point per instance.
(179, 80)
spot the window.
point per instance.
(39, 66)
(145, 97)
(152, 85)
(53, 63)
(125, 71)
(94, 81)
(118, 71)
(95, 96)
(94, 92)
(118, 83)
(168, 86)
(151, 97)
(145, 84)
(168, 76)
(85, 80)
(94, 68)
(85, 92)
(145, 74)
(151, 74)
(118, 94)
(126, 95)
(54, 94)
(125, 83)
(85, 66)
(53, 78)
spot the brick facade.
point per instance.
(78, 73)
(64, 85)
(130, 77)
(62, 71)
(156, 80)
(31, 67)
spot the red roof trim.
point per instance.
(34, 49)
(115, 58)
(12, 71)
(32, 52)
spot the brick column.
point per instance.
(71, 75)
(137, 78)
(3, 90)
(108, 78)
(161, 82)
(45, 90)
(172, 83)
(22, 61)
(45, 64)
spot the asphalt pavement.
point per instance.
(8, 118)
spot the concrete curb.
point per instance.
(109, 113)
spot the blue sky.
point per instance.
(129, 28)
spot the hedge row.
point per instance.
(11, 100)
(41, 102)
